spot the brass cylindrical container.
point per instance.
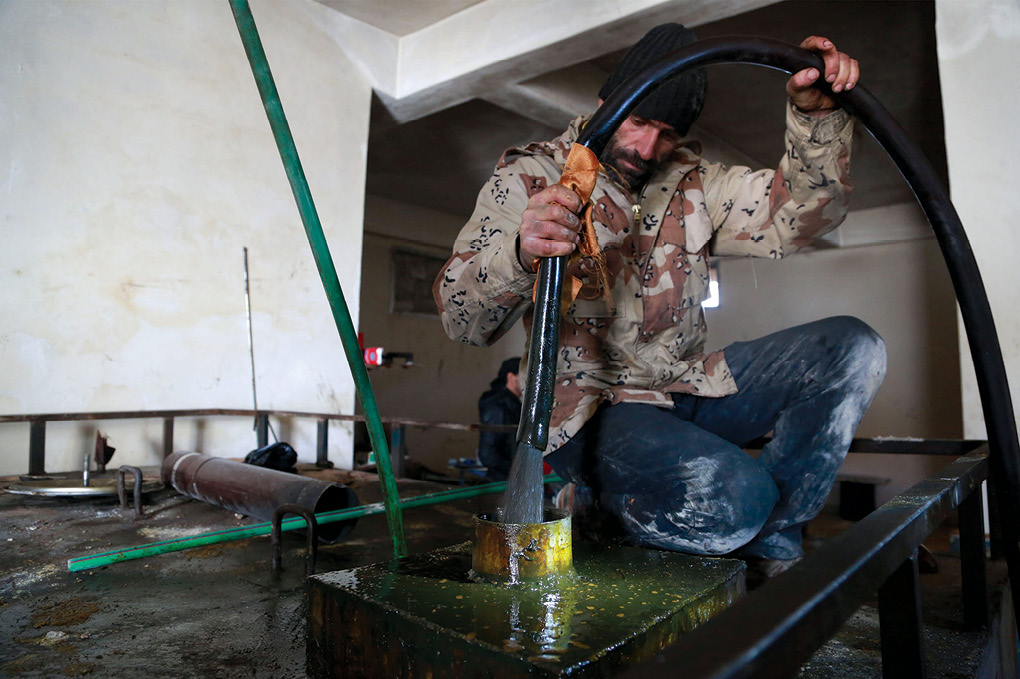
(508, 553)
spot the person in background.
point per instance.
(501, 404)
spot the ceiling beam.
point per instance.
(480, 49)
(553, 98)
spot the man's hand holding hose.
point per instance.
(549, 225)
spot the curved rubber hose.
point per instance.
(996, 402)
(537, 401)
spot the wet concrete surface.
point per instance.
(214, 611)
(219, 612)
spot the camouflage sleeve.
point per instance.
(483, 289)
(773, 213)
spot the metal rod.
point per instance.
(322, 444)
(276, 535)
(261, 429)
(261, 434)
(37, 447)
(83, 563)
(398, 448)
(246, 412)
(995, 538)
(251, 339)
(122, 491)
(324, 261)
(972, 561)
(900, 623)
(168, 437)
(893, 446)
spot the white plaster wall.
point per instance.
(448, 376)
(136, 162)
(979, 57)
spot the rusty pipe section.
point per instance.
(256, 491)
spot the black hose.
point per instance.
(996, 402)
(537, 401)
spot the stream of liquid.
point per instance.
(523, 500)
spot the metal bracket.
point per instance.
(122, 493)
(313, 531)
(901, 624)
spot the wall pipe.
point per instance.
(324, 262)
(83, 563)
(986, 353)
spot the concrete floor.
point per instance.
(218, 611)
(951, 650)
(215, 611)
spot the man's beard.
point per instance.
(635, 178)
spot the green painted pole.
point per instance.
(327, 272)
(91, 561)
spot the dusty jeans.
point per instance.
(679, 480)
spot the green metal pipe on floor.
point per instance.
(91, 561)
(324, 261)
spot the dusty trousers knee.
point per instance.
(678, 479)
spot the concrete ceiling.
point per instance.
(399, 17)
(440, 160)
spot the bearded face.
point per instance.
(628, 163)
(638, 148)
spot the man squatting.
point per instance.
(645, 423)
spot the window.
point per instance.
(712, 301)
(412, 275)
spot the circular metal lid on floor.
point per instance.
(53, 486)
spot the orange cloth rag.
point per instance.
(580, 173)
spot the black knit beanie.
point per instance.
(510, 365)
(676, 102)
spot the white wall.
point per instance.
(448, 376)
(979, 56)
(136, 162)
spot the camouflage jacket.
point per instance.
(649, 341)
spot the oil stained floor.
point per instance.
(210, 612)
(218, 611)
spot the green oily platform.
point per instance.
(423, 616)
